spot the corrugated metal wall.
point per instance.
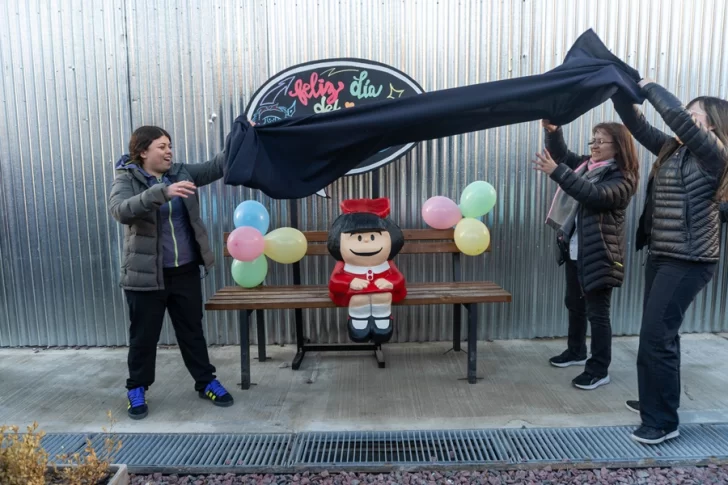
(78, 76)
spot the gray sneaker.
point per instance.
(566, 359)
(633, 406)
(653, 436)
(588, 382)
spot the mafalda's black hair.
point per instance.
(358, 222)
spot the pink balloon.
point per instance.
(246, 243)
(441, 213)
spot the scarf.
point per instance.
(562, 213)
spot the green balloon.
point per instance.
(250, 274)
(477, 199)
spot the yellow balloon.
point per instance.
(471, 236)
(285, 245)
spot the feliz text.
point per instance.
(316, 88)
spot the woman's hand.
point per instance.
(181, 189)
(645, 81)
(544, 163)
(549, 127)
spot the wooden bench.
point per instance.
(458, 293)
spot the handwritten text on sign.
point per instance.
(331, 85)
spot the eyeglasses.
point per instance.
(600, 142)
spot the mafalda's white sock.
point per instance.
(381, 314)
(359, 316)
(381, 310)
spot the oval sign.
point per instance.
(329, 85)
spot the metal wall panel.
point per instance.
(79, 76)
(64, 116)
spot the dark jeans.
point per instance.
(670, 287)
(594, 306)
(182, 297)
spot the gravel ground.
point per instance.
(545, 476)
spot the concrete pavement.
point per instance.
(422, 387)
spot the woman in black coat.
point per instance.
(681, 228)
(588, 214)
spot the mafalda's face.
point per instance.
(366, 248)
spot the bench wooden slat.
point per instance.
(435, 242)
(413, 242)
(288, 297)
(272, 297)
(417, 241)
(409, 235)
(286, 289)
(409, 248)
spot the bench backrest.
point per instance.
(417, 241)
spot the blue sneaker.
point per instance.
(217, 394)
(137, 407)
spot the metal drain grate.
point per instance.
(505, 447)
(336, 449)
(60, 443)
(194, 452)
(613, 445)
(401, 450)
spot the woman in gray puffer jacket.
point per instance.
(680, 225)
(165, 243)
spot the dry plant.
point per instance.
(23, 461)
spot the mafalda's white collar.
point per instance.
(350, 268)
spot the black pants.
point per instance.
(182, 297)
(670, 287)
(594, 306)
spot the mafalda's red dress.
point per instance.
(344, 273)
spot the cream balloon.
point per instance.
(471, 236)
(285, 245)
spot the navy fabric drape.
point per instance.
(297, 157)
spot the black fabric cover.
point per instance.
(297, 157)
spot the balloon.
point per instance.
(471, 236)
(440, 212)
(250, 274)
(477, 199)
(252, 213)
(245, 243)
(285, 245)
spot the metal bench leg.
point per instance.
(260, 321)
(243, 324)
(457, 313)
(379, 355)
(472, 342)
(300, 341)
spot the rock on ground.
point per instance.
(711, 474)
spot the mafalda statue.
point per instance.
(364, 241)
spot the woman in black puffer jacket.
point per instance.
(681, 228)
(588, 214)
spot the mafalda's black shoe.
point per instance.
(359, 329)
(382, 329)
